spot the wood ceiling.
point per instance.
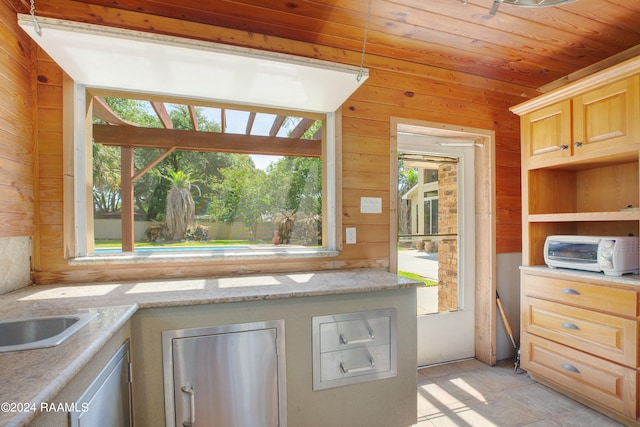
(531, 47)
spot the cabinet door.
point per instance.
(226, 380)
(546, 135)
(606, 120)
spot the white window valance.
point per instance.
(119, 59)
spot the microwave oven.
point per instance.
(612, 255)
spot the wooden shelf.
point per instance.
(586, 216)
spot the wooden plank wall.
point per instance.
(395, 88)
(49, 174)
(17, 195)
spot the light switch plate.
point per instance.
(350, 235)
(370, 205)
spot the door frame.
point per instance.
(485, 224)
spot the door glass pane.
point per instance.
(428, 229)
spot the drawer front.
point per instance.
(622, 302)
(601, 381)
(347, 334)
(355, 362)
(611, 337)
(351, 348)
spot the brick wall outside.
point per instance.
(448, 247)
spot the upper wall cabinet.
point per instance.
(598, 124)
(580, 149)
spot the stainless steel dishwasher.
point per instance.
(225, 376)
(107, 401)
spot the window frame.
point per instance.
(78, 194)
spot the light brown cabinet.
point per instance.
(594, 125)
(580, 175)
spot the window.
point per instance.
(205, 177)
(430, 175)
(250, 181)
(431, 212)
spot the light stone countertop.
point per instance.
(32, 377)
(35, 376)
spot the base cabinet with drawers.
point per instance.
(581, 336)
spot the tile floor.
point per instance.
(470, 393)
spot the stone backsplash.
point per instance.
(15, 263)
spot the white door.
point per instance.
(436, 241)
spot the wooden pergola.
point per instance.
(128, 135)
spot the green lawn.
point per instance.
(417, 278)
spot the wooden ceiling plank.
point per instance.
(422, 64)
(445, 50)
(407, 42)
(535, 39)
(204, 141)
(598, 66)
(163, 114)
(413, 22)
(533, 24)
(333, 28)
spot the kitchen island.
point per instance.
(141, 310)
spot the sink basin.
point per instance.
(38, 332)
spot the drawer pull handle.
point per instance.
(570, 291)
(569, 325)
(371, 336)
(570, 368)
(345, 341)
(369, 367)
